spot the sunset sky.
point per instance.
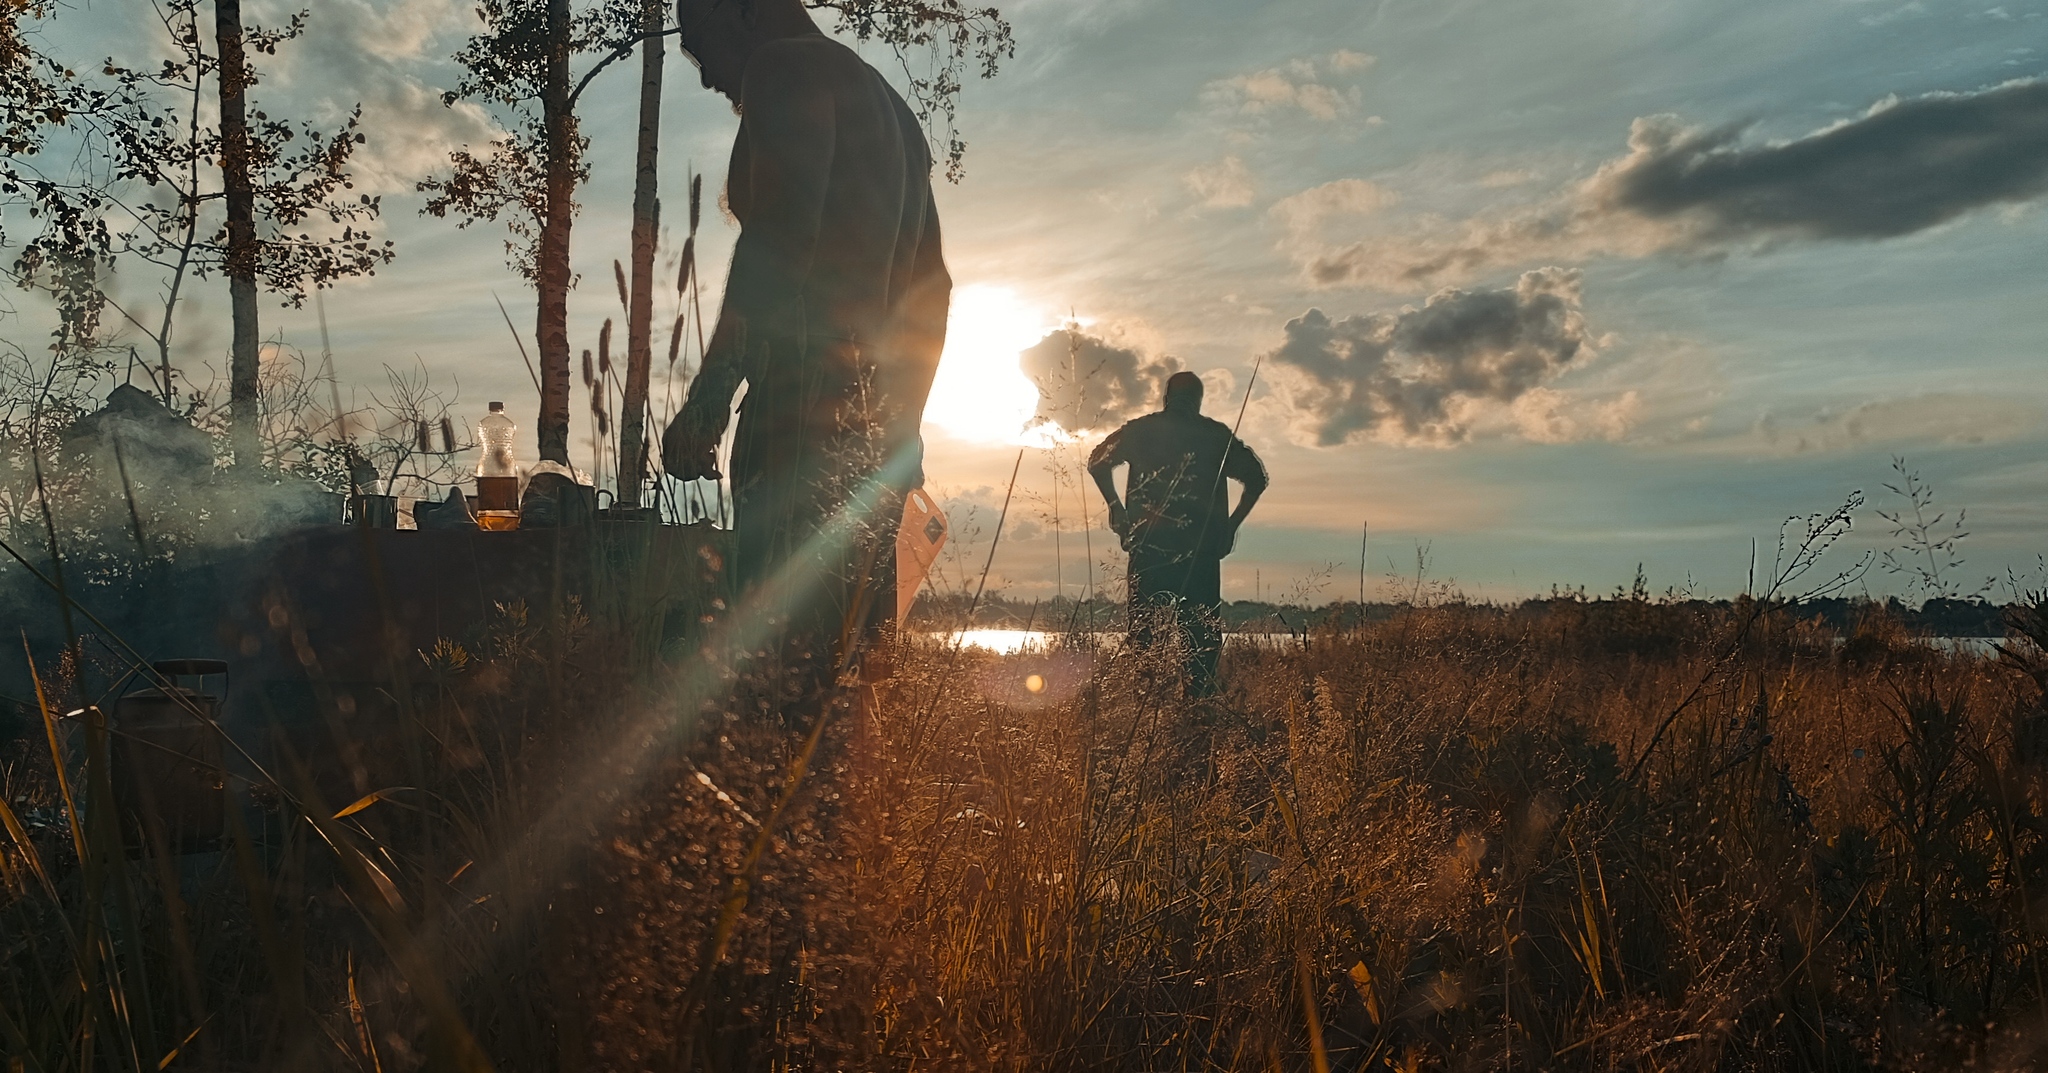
(1551, 289)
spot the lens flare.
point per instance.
(1033, 679)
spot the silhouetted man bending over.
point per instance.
(1175, 518)
(834, 315)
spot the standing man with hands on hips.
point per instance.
(1175, 519)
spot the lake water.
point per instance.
(1010, 642)
(1001, 642)
(1969, 646)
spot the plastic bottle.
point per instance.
(497, 472)
(495, 434)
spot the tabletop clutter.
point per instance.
(546, 495)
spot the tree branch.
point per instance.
(619, 52)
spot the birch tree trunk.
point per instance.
(244, 406)
(646, 228)
(551, 275)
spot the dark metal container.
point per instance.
(375, 511)
(170, 781)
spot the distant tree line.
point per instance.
(1939, 617)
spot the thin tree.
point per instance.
(646, 231)
(520, 63)
(239, 264)
(247, 157)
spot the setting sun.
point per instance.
(981, 394)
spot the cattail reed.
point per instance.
(675, 339)
(447, 436)
(589, 371)
(420, 439)
(688, 266)
(619, 275)
(604, 349)
(696, 201)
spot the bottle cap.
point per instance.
(497, 407)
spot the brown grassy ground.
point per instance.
(1442, 841)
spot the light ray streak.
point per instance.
(537, 855)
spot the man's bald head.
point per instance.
(1184, 393)
(719, 36)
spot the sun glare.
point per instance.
(980, 393)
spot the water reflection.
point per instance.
(1002, 642)
(1008, 642)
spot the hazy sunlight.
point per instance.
(980, 393)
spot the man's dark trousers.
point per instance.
(817, 498)
(1186, 587)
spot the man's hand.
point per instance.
(1120, 524)
(1226, 540)
(1222, 539)
(689, 449)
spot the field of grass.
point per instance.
(1623, 835)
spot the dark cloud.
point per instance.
(1413, 375)
(1902, 166)
(1086, 383)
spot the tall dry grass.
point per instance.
(1441, 841)
(1417, 845)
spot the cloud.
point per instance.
(358, 52)
(393, 163)
(1224, 186)
(1089, 384)
(1912, 9)
(1495, 180)
(1903, 166)
(1217, 385)
(1427, 375)
(1345, 61)
(1546, 415)
(1297, 85)
(405, 29)
(1940, 418)
(1307, 212)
